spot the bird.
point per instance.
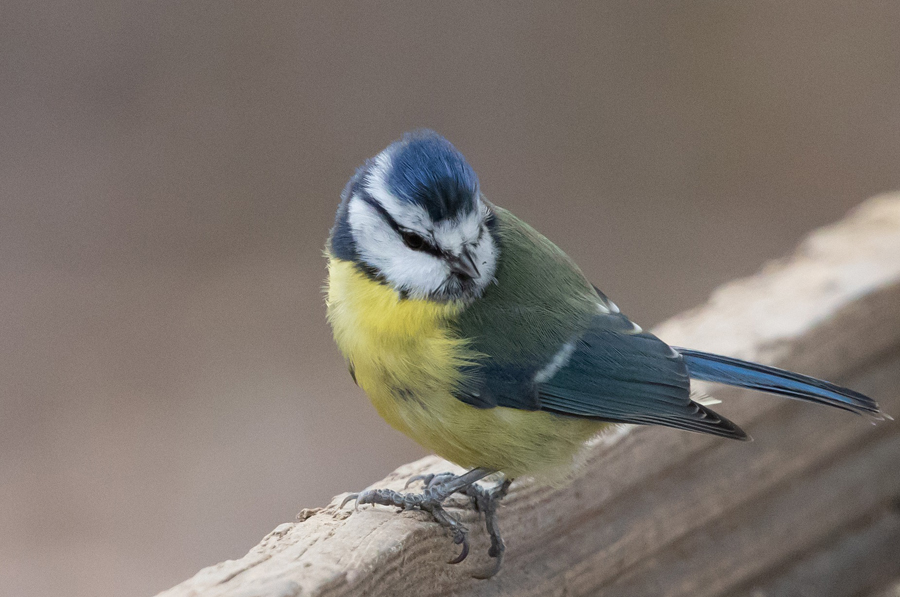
(480, 339)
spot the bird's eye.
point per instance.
(413, 240)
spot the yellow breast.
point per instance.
(404, 355)
(400, 351)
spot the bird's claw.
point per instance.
(351, 496)
(460, 538)
(486, 501)
(437, 489)
(425, 479)
(430, 501)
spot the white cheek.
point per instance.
(378, 245)
(418, 273)
(367, 225)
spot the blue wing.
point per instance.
(546, 340)
(619, 374)
(615, 372)
(610, 372)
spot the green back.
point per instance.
(540, 301)
(547, 340)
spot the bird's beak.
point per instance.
(464, 265)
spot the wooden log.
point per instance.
(811, 507)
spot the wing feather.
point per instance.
(524, 328)
(629, 378)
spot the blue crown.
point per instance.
(427, 170)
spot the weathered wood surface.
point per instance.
(812, 507)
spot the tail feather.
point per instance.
(734, 372)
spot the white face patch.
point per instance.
(381, 247)
(418, 273)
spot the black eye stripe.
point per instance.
(381, 211)
(426, 247)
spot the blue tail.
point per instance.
(734, 372)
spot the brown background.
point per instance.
(169, 171)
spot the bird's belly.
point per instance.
(516, 442)
(404, 355)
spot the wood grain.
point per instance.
(812, 507)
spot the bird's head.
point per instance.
(413, 217)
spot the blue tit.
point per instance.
(481, 340)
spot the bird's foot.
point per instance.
(486, 501)
(429, 501)
(431, 479)
(437, 489)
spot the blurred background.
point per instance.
(169, 391)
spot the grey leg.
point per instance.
(487, 501)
